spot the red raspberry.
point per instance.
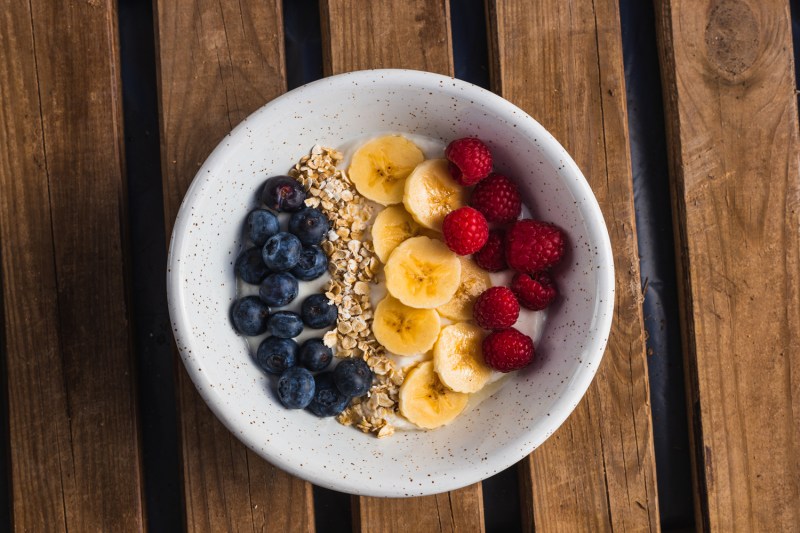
(497, 198)
(534, 292)
(507, 350)
(496, 308)
(470, 160)
(532, 245)
(465, 231)
(492, 257)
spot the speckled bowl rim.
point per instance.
(597, 336)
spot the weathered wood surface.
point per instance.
(415, 35)
(561, 61)
(72, 413)
(731, 110)
(217, 63)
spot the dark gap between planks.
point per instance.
(152, 334)
(657, 264)
(303, 42)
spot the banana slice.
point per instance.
(474, 280)
(422, 273)
(425, 401)
(379, 168)
(404, 330)
(392, 226)
(431, 193)
(458, 358)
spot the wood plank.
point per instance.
(355, 35)
(561, 61)
(412, 34)
(72, 415)
(731, 109)
(217, 63)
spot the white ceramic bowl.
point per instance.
(501, 430)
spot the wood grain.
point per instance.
(412, 34)
(561, 61)
(217, 63)
(731, 111)
(416, 35)
(72, 417)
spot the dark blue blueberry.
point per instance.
(249, 316)
(281, 251)
(313, 262)
(285, 324)
(310, 225)
(317, 313)
(296, 388)
(282, 193)
(275, 355)
(353, 377)
(278, 289)
(328, 400)
(261, 225)
(314, 355)
(250, 267)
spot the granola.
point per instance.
(353, 266)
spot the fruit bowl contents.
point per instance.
(384, 285)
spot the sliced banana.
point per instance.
(431, 193)
(422, 273)
(425, 401)
(392, 226)
(379, 168)
(404, 330)
(474, 280)
(458, 358)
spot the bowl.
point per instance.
(505, 427)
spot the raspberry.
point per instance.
(507, 350)
(497, 198)
(470, 160)
(496, 308)
(492, 257)
(532, 245)
(465, 231)
(534, 292)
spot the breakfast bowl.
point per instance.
(507, 425)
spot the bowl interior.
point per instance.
(502, 429)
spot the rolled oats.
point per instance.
(354, 267)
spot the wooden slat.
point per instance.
(217, 63)
(72, 416)
(561, 61)
(731, 111)
(398, 34)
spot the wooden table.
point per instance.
(77, 391)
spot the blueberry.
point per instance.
(261, 225)
(317, 313)
(282, 193)
(250, 267)
(249, 316)
(328, 400)
(285, 324)
(278, 289)
(296, 388)
(313, 262)
(275, 355)
(310, 225)
(281, 252)
(314, 355)
(353, 377)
